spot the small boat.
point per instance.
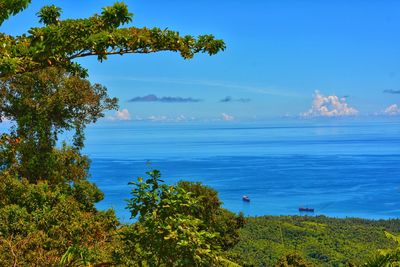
(306, 209)
(246, 198)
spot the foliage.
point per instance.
(292, 260)
(59, 42)
(318, 240)
(387, 257)
(49, 15)
(11, 7)
(43, 104)
(215, 218)
(40, 222)
(47, 205)
(166, 232)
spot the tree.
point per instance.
(43, 104)
(166, 233)
(40, 222)
(45, 92)
(59, 42)
(177, 225)
(47, 205)
(215, 218)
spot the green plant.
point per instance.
(47, 205)
(166, 232)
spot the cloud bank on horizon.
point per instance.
(322, 106)
(329, 106)
(124, 115)
(164, 99)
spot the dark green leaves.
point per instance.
(167, 232)
(44, 104)
(49, 15)
(116, 15)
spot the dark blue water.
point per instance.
(340, 167)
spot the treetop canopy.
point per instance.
(59, 42)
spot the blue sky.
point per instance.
(278, 54)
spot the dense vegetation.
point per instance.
(47, 205)
(48, 215)
(320, 240)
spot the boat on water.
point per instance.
(306, 209)
(246, 198)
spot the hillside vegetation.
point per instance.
(319, 240)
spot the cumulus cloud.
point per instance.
(329, 106)
(164, 99)
(392, 110)
(121, 115)
(230, 99)
(227, 117)
(391, 91)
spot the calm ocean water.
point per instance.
(340, 167)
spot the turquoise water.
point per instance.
(340, 167)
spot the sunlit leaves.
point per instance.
(49, 15)
(167, 233)
(61, 41)
(116, 15)
(39, 223)
(44, 104)
(387, 257)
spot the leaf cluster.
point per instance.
(11, 7)
(44, 104)
(215, 218)
(40, 222)
(166, 232)
(177, 225)
(61, 41)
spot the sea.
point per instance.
(341, 167)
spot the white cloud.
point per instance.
(329, 106)
(227, 117)
(157, 118)
(162, 118)
(392, 110)
(121, 115)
